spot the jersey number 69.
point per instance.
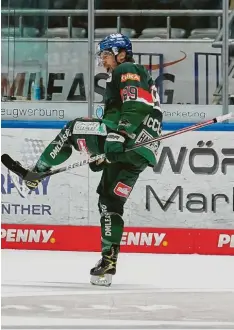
(129, 93)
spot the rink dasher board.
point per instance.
(191, 187)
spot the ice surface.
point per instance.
(51, 290)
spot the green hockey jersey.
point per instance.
(132, 105)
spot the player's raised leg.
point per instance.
(81, 134)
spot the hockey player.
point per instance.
(132, 114)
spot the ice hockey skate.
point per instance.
(32, 184)
(24, 187)
(102, 273)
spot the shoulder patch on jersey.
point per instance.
(130, 76)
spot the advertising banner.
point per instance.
(187, 72)
(134, 239)
(192, 186)
(60, 111)
(43, 111)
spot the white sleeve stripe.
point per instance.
(113, 137)
(141, 100)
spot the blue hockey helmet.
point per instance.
(114, 43)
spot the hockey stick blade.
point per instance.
(16, 168)
(13, 166)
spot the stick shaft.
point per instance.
(174, 133)
(218, 119)
(74, 165)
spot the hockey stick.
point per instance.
(29, 175)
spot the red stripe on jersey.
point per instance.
(142, 93)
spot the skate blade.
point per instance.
(104, 280)
(22, 189)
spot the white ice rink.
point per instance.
(51, 290)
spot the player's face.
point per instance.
(108, 60)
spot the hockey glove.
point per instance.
(114, 145)
(99, 165)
